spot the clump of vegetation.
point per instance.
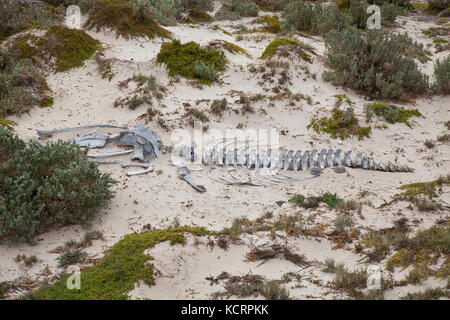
(60, 48)
(342, 223)
(71, 257)
(124, 265)
(317, 18)
(428, 294)
(22, 86)
(271, 5)
(389, 113)
(342, 124)
(17, 17)
(44, 187)
(207, 5)
(349, 281)
(331, 199)
(147, 88)
(442, 75)
(29, 261)
(184, 59)
(299, 48)
(236, 9)
(206, 72)
(272, 290)
(271, 24)
(426, 188)
(374, 64)
(198, 114)
(85, 5)
(422, 250)
(198, 15)
(219, 106)
(124, 19)
(438, 4)
(7, 123)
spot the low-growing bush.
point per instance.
(147, 88)
(126, 20)
(206, 5)
(59, 49)
(198, 15)
(46, 187)
(219, 106)
(390, 113)
(22, 85)
(18, 16)
(236, 9)
(373, 64)
(438, 4)
(166, 12)
(342, 124)
(271, 5)
(313, 17)
(85, 5)
(184, 59)
(442, 76)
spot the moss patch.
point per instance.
(272, 24)
(118, 15)
(197, 15)
(124, 265)
(299, 47)
(181, 59)
(68, 48)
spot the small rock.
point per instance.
(339, 169)
(316, 171)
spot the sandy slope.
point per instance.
(83, 98)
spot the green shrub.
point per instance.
(124, 19)
(438, 4)
(22, 85)
(166, 12)
(85, 5)
(400, 3)
(236, 9)
(442, 75)
(16, 17)
(390, 113)
(204, 71)
(183, 59)
(198, 15)
(44, 187)
(295, 45)
(374, 64)
(206, 5)
(71, 257)
(342, 124)
(271, 5)
(313, 17)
